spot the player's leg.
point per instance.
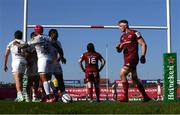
(59, 76)
(124, 72)
(138, 84)
(45, 83)
(18, 69)
(43, 70)
(114, 92)
(61, 86)
(18, 79)
(90, 90)
(97, 86)
(34, 88)
(49, 97)
(52, 87)
(90, 86)
(27, 83)
(34, 76)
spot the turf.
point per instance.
(105, 107)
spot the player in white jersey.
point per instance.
(42, 45)
(56, 57)
(18, 62)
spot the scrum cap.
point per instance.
(38, 29)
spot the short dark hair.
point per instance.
(32, 34)
(53, 31)
(90, 47)
(123, 21)
(18, 35)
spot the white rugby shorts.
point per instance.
(44, 65)
(18, 66)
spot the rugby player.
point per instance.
(18, 64)
(42, 45)
(56, 69)
(92, 69)
(129, 45)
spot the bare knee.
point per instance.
(123, 73)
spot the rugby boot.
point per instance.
(140, 87)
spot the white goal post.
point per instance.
(167, 27)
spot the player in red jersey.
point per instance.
(129, 42)
(92, 69)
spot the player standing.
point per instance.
(92, 69)
(18, 62)
(42, 45)
(32, 69)
(114, 91)
(129, 45)
(56, 69)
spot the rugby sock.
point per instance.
(142, 90)
(90, 93)
(97, 92)
(46, 87)
(52, 87)
(19, 94)
(125, 89)
(61, 84)
(33, 96)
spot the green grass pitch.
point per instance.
(84, 107)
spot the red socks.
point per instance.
(125, 92)
(90, 93)
(142, 90)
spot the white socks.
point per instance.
(46, 87)
(19, 94)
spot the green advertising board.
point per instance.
(170, 77)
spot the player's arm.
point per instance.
(60, 51)
(6, 59)
(102, 60)
(143, 49)
(81, 64)
(119, 47)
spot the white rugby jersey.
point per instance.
(42, 45)
(15, 51)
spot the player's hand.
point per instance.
(63, 60)
(5, 68)
(59, 59)
(83, 70)
(118, 48)
(143, 59)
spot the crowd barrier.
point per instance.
(80, 93)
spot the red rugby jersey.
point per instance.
(91, 61)
(129, 43)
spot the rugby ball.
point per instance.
(66, 98)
